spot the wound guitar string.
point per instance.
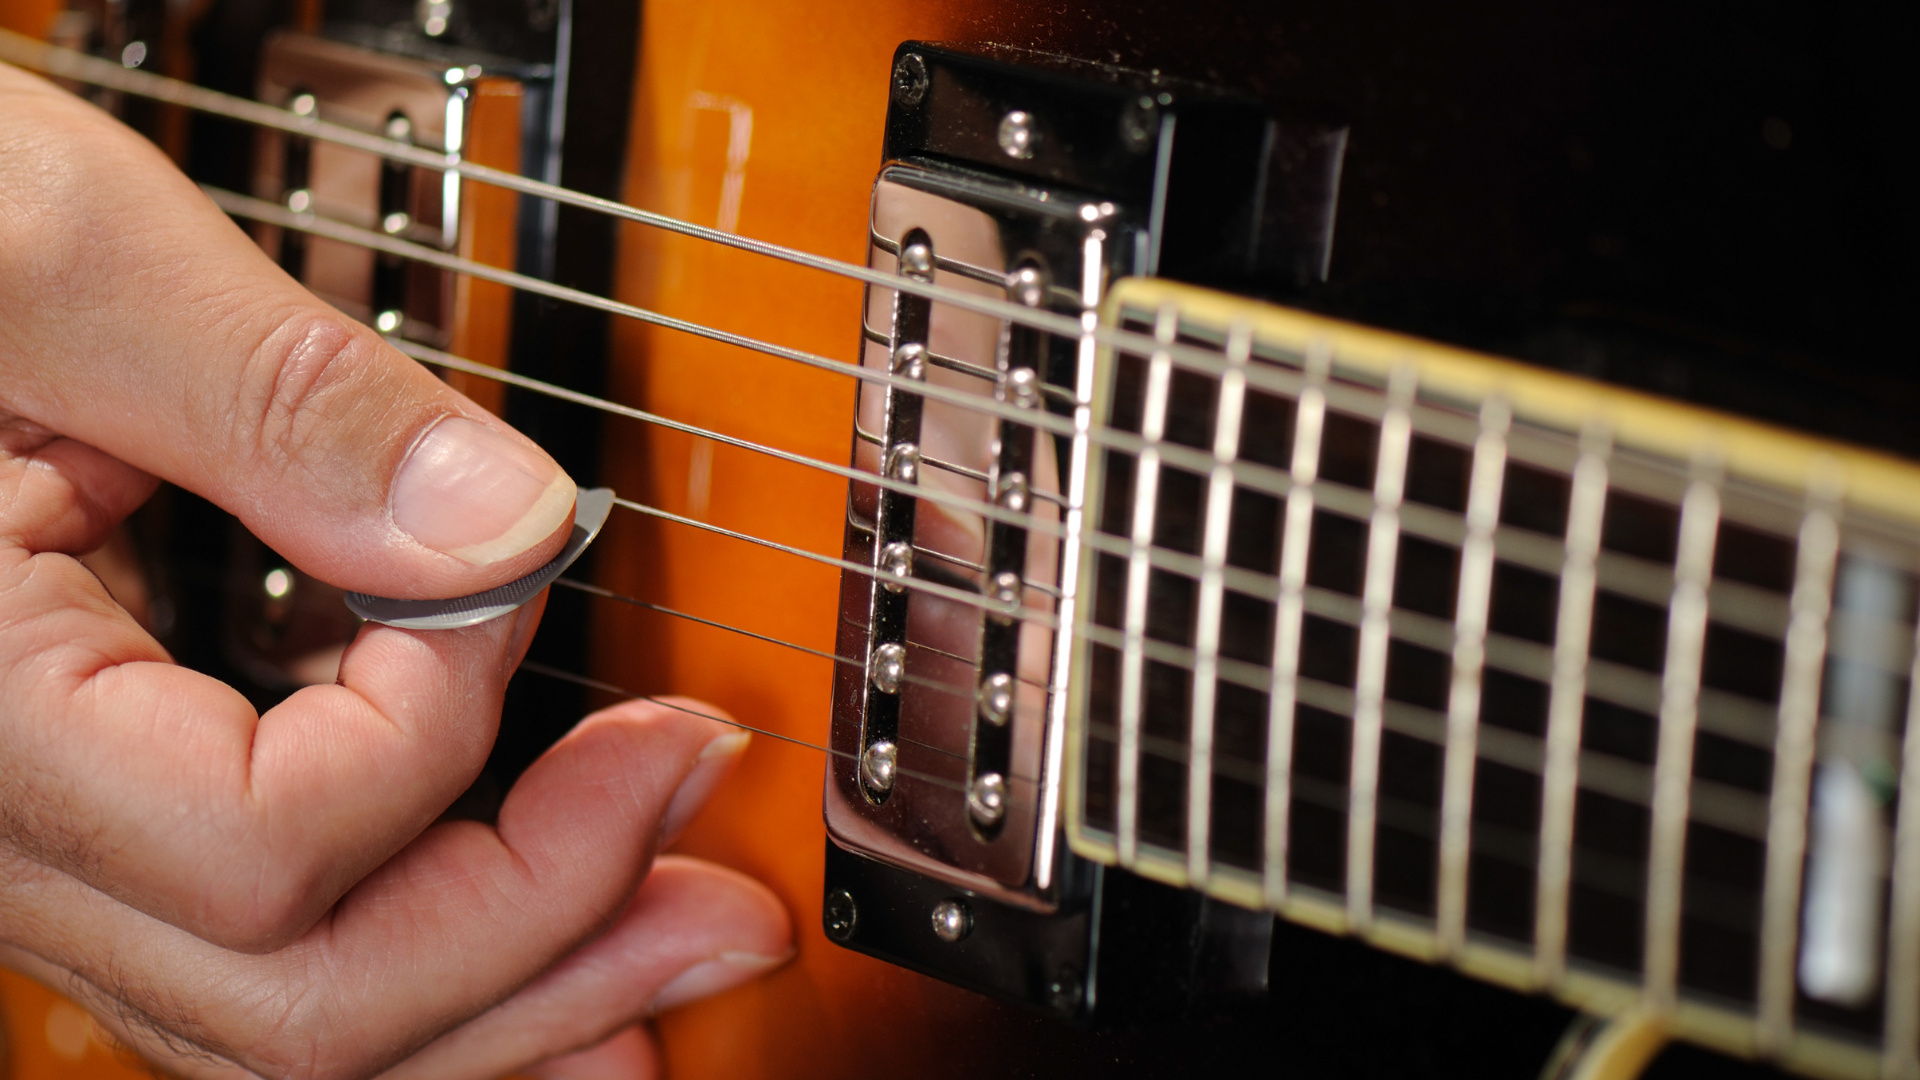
(1359, 438)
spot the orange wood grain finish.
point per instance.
(815, 78)
(483, 310)
(31, 17)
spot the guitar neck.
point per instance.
(1580, 691)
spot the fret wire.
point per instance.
(66, 63)
(1296, 533)
(1226, 444)
(1086, 371)
(1806, 648)
(1469, 657)
(1255, 477)
(931, 588)
(1146, 494)
(1900, 1052)
(873, 439)
(1673, 760)
(596, 684)
(1566, 705)
(1383, 543)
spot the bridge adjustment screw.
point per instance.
(952, 920)
(1027, 286)
(1023, 387)
(987, 799)
(839, 916)
(877, 767)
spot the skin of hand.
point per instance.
(235, 893)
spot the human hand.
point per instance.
(270, 893)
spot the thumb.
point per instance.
(140, 320)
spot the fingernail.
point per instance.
(478, 494)
(723, 972)
(712, 766)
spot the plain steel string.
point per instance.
(1248, 581)
(595, 684)
(851, 661)
(1255, 477)
(1239, 673)
(66, 63)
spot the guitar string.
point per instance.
(850, 661)
(104, 73)
(1250, 475)
(595, 684)
(66, 63)
(1503, 844)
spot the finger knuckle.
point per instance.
(305, 374)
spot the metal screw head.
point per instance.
(888, 667)
(1065, 992)
(916, 260)
(399, 128)
(299, 200)
(1139, 123)
(433, 16)
(896, 559)
(839, 915)
(1012, 492)
(303, 104)
(1006, 588)
(910, 361)
(877, 766)
(1027, 286)
(903, 463)
(996, 698)
(388, 322)
(952, 920)
(1023, 387)
(987, 799)
(396, 223)
(910, 80)
(1017, 135)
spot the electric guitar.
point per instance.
(1087, 440)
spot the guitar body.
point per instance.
(1600, 189)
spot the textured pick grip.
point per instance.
(590, 509)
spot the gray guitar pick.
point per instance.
(590, 509)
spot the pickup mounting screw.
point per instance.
(910, 80)
(876, 766)
(952, 920)
(839, 916)
(1017, 136)
(987, 799)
